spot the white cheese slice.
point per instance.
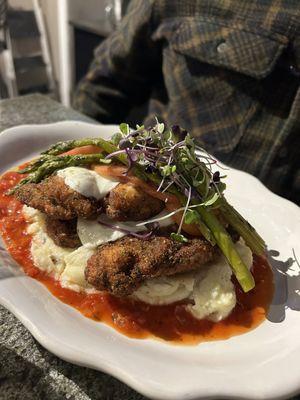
(93, 234)
(46, 255)
(166, 289)
(87, 182)
(213, 292)
(73, 273)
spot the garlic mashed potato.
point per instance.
(210, 288)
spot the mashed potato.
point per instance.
(46, 255)
(210, 288)
(66, 265)
(166, 289)
(73, 275)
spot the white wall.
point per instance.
(50, 12)
(56, 27)
(86, 9)
(49, 9)
(25, 4)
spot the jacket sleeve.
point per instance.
(123, 70)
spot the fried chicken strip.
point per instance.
(54, 198)
(63, 233)
(121, 267)
(127, 202)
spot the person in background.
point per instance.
(227, 71)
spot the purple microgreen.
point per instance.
(160, 217)
(132, 157)
(166, 171)
(115, 153)
(152, 226)
(147, 147)
(125, 144)
(150, 168)
(168, 186)
(134, 154)
(187, 192)
(216, 176)
(295, 257)
(133, 134)
(185, 210)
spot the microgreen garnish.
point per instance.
(178, 237)
(172, 155)
(124, 128)
(191, 217)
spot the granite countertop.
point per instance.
(27, 370)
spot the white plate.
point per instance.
(261, 364)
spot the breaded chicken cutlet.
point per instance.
(63, 233)
(121, 267)
(57, 200)
(127, 202)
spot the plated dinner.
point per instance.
(136, 232)
(268, 354)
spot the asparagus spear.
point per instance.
(225, 243)
(34, 165)
(41, 170)
(62, 147)
(243, 227)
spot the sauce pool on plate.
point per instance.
(132, 318)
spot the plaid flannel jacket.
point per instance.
(228, 71)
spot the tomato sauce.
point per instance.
(132, 318)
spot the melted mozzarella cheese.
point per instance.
(73, 274)
(46, 255)
(166, 289)
(213, 292)
(92, 233)
(87, 182)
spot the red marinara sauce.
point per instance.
(132, 318)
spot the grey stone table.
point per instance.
(27, 370)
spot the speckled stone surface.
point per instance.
(35, 109)
(27, 370)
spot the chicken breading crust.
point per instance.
(54, 198)
(127, 202)
(121, 267)
(63, 233)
